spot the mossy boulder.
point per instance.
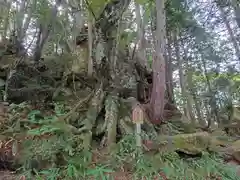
(236, 150)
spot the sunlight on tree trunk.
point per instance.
(236, 7)
(6, 22)
(169, 71)
(20, 18)
(44, 31)
(141, 39)
(28, 19)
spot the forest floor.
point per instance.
(206, 168)
(7, 175)
(124, 173)
(211, 171)
(122, 162)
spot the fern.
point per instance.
(171, 165)
(99, 172)
(51, 174)
(52, 139)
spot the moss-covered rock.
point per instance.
(193, 143)
(236, 150)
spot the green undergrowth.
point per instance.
(60, 156)
(166, 165)
(172, 165)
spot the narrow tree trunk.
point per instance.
(212, 98)
(27, 20)
(230, 32)
(192, 90)
(90, 41)
(190, 102)
(181, 75)
(17, 41)
(141, 40)
(236, 7)
(20, 18)
(6, 20)
(169, 72)
(198, 111)
(208, 115)
(188, 111)
(192, 98)
(44, 31)
(158, 66)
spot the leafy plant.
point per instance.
(99, 172)
(50, 174)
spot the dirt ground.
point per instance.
(8, 175)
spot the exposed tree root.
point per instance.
(67, 117)
(95, 107)
(111, 118)
(125, 126)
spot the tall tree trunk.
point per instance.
(169, 72)
(23, 23)
(140, 37)
(230, 32)
(198, 110)
(90, 42)
(208, 116)
(20, 18)
(212, 98)
(236, 7)
(106, 26)
(188, 111)
(44, 31)
(27, 21)
(192, 89)
(158, 66)
(6, 20)
(193, 95)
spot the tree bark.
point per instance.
(90, 41)
(230, 31)
(44, 31)
(236, 7)
(169, 72)
(6, 19)
(188, 111)
(158, 90)
(103, 52)
(28, 20)
(20, 18)
(141, 40)
(212, 98)
(193, 95)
